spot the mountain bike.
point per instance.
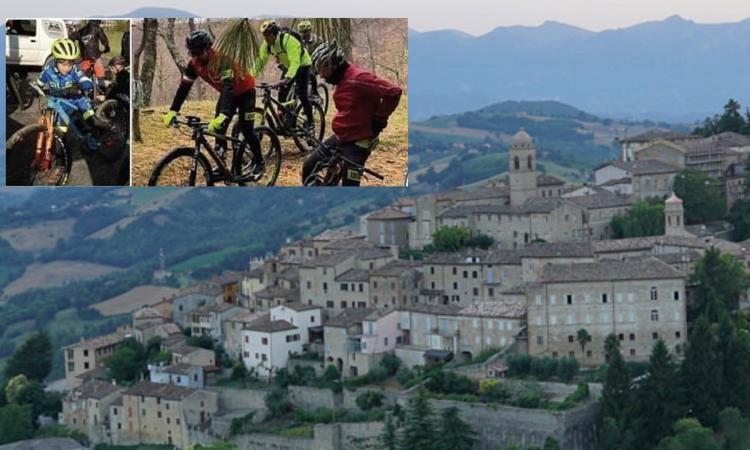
(286, 119)
(330, 171)
(320, 97)
(42, 147)
(18, 90)
(189, 166)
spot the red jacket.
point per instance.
(215, 71)
(360, 97)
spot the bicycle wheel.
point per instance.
(303, 143)
(175, 167)
(21, 151)
(270, 148)
(323, 96)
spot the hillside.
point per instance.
(458, 149)
(668, 70)
(201, 231)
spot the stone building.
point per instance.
(640, 300)
(389, 226)
(630, 145)
(357, 339)
(206, 320)
(395, 284)
(86, 409)
(153, 413)
(89, 354)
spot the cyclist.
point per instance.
(237, 94)
(90, 38)
(295, 59)
(62, 77)
(311, 41)
(121, 84)
(363, 104)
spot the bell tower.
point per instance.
(522, 168)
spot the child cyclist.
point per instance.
(62, 77)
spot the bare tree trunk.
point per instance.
(191, 24)
(210, 30)
(168, 37)
(369, 45)
(136, 68)
(150, 29)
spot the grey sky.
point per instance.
(473, 16)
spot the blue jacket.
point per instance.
(53, 79)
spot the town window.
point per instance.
(466, 274)
(329, 304)
(569, 299)
(604, 298)
(309, 285)
(654, 294)
(361, 287)
(312, 319)
(540, 340)
(475, 291)
(655, 335)
(654, 315)
(264, 341)
(432, 270)
(325, 287)
(554, 355)
(621, 336)
(491, 292)
(343, 304)
(677, 335)
(455, 271)
(474, 274)
(571, 338)
(344, 287)
(455, 286)
(632, 352)
(632, 336)
(572, 354)
(676, 295)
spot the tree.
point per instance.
(732, 119)
(701, 196)
(277, 402)
(16, 423)
(657, 400)
(455, 434)
(734, 354)
(419, 431)
(720, 280)
(642, 219)
(735, 428)
(450, 239)
(701, 373)
(33, 358)
(616, 390)
(128, 362)
(690, 435)
(389, 433)
(583, 337)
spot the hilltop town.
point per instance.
(370, 307)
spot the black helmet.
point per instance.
(118, 60)
(328, 54)
(95, 21)
(198, 39)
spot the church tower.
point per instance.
(522, 162)
(674, 217)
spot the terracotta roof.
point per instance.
(396, 268)
(352, 316)
(354, 275)
(610, 270)
(299, 306)
(96, 389)
(264, 324)
(438, 310)
(390, 213)
(228, 278)
(99, 341)
(642, 166)
(602, 200)
(558, 250)
(532, 206)
(273, 292)
(543, 179)
(165, 391)
(646, 243)
(653, 135)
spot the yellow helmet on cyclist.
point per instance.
(269, 26)
(65, 49)
(304, 26)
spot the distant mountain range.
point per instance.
(674, 69)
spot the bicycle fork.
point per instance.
(43, 154)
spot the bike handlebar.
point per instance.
(195, 123)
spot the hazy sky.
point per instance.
(472, 16)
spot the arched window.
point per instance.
(529, 162)
(516, 163)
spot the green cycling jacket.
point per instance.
(287, 50)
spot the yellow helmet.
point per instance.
(304, 26)
(269, 26)
(65, 49)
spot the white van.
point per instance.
(28, 43)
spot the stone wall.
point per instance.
(310, 399)
(318, 366)
(346, 436)
(231, 399)
(501, 426)
(390, 397)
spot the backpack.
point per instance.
(295, 34)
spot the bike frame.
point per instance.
(269, 102)
(198, 135)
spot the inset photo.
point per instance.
(264, 102)
(68, 102)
